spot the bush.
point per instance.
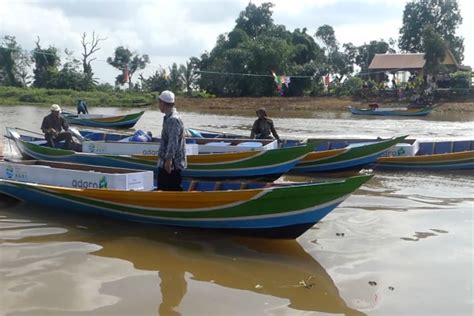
(461, 80)
(31, 98)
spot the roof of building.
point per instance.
(397, 61)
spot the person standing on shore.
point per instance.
(263, 127)
(172, 152)
(52, 126)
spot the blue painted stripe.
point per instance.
(310, 216)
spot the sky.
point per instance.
(174, 30)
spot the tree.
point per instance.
(128, 63)
(70, 77)
(255, 20)
(175, 78)
(89, 48)
(326, 35)
(434, 48)
(156, 82)
(14, 63)
(367, 52)
(443, 15)
(188, 76)
(46, 65)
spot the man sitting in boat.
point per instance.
(82, 107)
(263, 126)
(52, 126)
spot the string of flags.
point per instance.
(280, 81)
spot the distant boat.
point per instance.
(393, 111)
(104, 121)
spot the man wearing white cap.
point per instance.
(52, 126)
(172, 152)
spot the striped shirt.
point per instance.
(173, 142)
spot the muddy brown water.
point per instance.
(401, 245)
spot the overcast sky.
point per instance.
(172, 31)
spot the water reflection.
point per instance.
(278, 270)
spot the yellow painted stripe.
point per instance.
(161, 199)
(430, 158)
(317, 155)
(109, 119)
(210, 158)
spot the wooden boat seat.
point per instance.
(443, 147)
(464, 145)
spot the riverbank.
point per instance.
(68, 99)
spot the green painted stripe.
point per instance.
(267, 158)
(275, 201)
(356, 152)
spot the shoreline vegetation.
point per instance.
(132, 99)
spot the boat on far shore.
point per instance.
(392, 111)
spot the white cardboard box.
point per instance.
(127, 180)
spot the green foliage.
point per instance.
(255, 20)
(366, 53)
(156, 82)
(461, 80)
(257, 46)
(443, 16)
(46, 66)
(67, 97)
(434, 48)
(188, 76)
(125, 59)
(174, 78)
(14, 63)
(327, 36)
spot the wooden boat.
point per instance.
(285, 211)
(393, 111)
(327, 155)
(434, 155)
(268, 164)
(415, 155)
(330, 156)
(126, 144)
(101, 120)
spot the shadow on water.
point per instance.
(280, 269)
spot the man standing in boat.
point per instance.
(52, 126)
(172, 152)
(263, 127)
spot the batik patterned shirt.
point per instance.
(173, 142)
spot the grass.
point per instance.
(27, 96)
(68, 99)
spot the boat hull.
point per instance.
(345, 158)
(448, 161)
(118, 121)
(263, 165)
(280, 212)
(380, 112)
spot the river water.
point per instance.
(401, 245)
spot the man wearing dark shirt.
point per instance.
(263, 127)
(172, 152)
(52, 126)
